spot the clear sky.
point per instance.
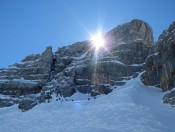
(29, 26)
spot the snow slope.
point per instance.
(129, 108)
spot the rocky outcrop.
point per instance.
(23, 79)
(27, 104)
(169, 98)
(79, 67)
(19, 87)
(27, 77)
(160, 64)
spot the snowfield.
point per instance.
(129, 108)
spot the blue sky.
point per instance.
(29, 26)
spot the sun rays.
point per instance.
(98, 40)
(99, 48)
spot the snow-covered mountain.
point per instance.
(78, 67)
(75, 79)
(131, 107)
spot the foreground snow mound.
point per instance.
(132, 107)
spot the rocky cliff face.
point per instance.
(77, 68)
(130, 32)
(160, 64)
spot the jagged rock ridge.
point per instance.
(77, 68)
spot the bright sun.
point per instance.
(98, 40)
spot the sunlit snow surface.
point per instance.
(129, 108)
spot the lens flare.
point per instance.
(100, 49)
(98, 40)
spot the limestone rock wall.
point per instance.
(78, 67)
(160, 64)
